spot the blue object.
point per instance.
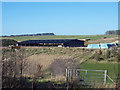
(101, 45)
(94, 46)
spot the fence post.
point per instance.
(86, 76)
(105, 76)
(67, 82)
(72, 76)
(66, 75)
(76, 73)
(51, 75)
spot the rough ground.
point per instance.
(107, 40)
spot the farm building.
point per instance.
(101, 45)
(53, 42)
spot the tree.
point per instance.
(112, 32)
(7, 42)
(13, 65)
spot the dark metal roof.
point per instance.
(47, 41)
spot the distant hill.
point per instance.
(38, 34)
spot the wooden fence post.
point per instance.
(86, 76)
(66, 75)
(67, 83)
(105, 77)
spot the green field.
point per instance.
(112, 69)
(68, 57)
(92, 37)
(90, 64)
(79, 55)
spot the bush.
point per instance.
(118, 56)
(100, 52)
(108, 53)
(39, 71)
(113, 52)
(98, 56)
(7, 42)
(59, 66)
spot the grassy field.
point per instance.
(92, 37)
(81, 57)
(112, 69)
(54, 61)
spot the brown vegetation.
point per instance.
(106, 40)
(22, 65)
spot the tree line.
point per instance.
(38, 34)
(112, 32)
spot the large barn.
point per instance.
(53, 42)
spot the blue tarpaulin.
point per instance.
(101, 45)
(94, 46)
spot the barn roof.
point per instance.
(48, 41)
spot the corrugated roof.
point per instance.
(48, 41)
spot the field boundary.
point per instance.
(86, 77)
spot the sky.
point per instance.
(61, 18)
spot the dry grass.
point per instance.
(43, 59)
(107, 40)
(58, 78)
(46, 57)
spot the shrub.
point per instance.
(113, 52)
(108, 53)
(39, 71)
(97, 57)
(100, 52)
(7, 42)
(59, 66)
(118, 56)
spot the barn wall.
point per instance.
(74, 43)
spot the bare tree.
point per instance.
(59, 66)
(13, 65)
